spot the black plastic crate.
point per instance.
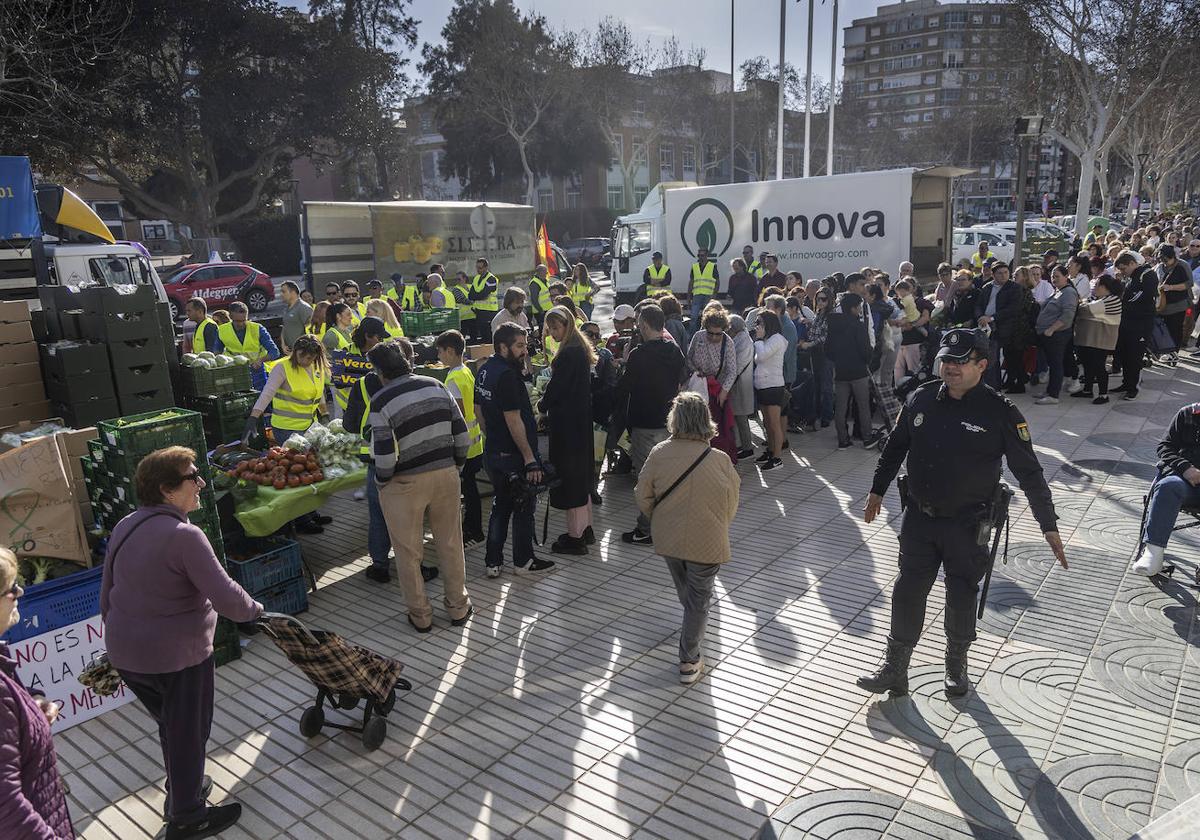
(115, 327)
(143, 401)
(134, 352)
(65, 360)
(80, 415)
(138, 379)
(100, 300)
(71, 390)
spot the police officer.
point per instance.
(954, 432)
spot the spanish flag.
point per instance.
(545, 252)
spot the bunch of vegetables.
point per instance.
(280, 468)
(212, 360)
(337, 449)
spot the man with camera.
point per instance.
(510, 452)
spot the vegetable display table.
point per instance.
(272, 509)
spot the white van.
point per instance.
(1001, 242)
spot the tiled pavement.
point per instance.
(556, 713)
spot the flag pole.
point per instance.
(808, 93)
(732, 85)
(779, 119)
(832, 89)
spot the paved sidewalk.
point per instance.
(556, 712)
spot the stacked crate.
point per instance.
(79, 382)
(223, 397)
(112, 459)
(271, 569)
(127, 322)
(22, 394)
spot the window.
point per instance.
(974, 58)
(930, 98)
(953, 42)
(429, 166)
(873, 86)
(953, 60)
(789, 164)
(872, 103)
(973, 96)
(666, 158)
(991, 75)
(977, 20)
(872, 122)
(689, 158)
(911, 118)
(972, 77)
(930, 78)
(874, 50)
(154, 231)
(874, 68)
(932, 41)
(639, 195)
(927, 116)
(976, 39)
(616, 198)
(426, 121)
(954, 20)
(996, 20)
(545, 199)
(639, 108)
(116, 271)
(639, 151)
(573, 197)
(876, 31)
(933, 22)
(618, 152)
(951, 96)
(109, 211)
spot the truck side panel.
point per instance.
(339, 245)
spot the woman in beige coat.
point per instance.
(690, 492)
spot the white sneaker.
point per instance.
(1150, 562)
(494, 571)
(1074, 387)
(360, 494)
(1046, 400)
(689, 672)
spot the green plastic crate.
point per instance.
(200, 382)
(235, 405)
(226, 631)
(140, 434)
(429, 321)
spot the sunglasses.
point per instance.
(946, 360)
(193, 476)
(16, 590)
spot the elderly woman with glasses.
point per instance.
(713, 356)
(32, 801)
(160, 594)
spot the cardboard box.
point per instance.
(30, 411)
(18, 354)
(16, 333)
(74, 445)
(479, 351)
(13, 312)
(20, 395)
(19, 374)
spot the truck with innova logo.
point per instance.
(816, 226)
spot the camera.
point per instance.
(524, 492)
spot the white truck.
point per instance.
(48, 236)
(816, 226)
(341, 240)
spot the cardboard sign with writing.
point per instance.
(51, 663)
(38, 510)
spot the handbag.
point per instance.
(100, 676)
(679, 480)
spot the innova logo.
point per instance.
(707, 224)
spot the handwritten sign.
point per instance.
(51, 663)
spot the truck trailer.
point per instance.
(816, 226)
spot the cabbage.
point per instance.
(296, 442)
(207, 354)
(336, 426)
(224, 361)
(189, 359)
(239, 359)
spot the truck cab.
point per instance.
(638, 235)
(26, 265)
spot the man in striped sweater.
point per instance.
(419, 440)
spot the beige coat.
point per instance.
(693, 522)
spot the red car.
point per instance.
(219, 284)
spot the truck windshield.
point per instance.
(632, 239)
(117, 271)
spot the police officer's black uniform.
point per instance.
(954, 448)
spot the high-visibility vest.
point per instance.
(249, 346)
(295, 403)
(357, 312)
(756, 269)
(393, 332)
(657, 277)
(704, 281)
(447, 296)
(318, 331)
(582, 292)
(541, 294)
(198, 345)
(465, 380)
(342, 395)
(466, 312)
(480, 282)
(409, 300)
(365, 447)
(977, 260)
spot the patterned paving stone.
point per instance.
(1181, 766)
(1142, 670)
(1032, 686)
(1104, 796)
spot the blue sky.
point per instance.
(703, 23)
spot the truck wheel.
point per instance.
(256, 300)
(174, 309)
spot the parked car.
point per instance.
(592, 251)
(1002, 243)
(1033, 227)
(220, 284)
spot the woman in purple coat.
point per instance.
(32, 803)
(159, 597)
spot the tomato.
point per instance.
(279, 484)
(294, 481)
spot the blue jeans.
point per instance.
(1168, 494)
(379, 543)
(587, 308)
(1055, 347)
(698, 304)
(499, 468)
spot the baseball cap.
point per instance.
(1166, 252)
(624, 312)
(958, 344)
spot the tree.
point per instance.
(204, 106)
(504, 88)
(46, 48)
(1109, 58)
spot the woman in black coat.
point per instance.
(567, 403)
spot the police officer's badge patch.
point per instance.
(954, 338)
(1023, 431)
(919, 419)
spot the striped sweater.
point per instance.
(1097, 323)
(416, 427)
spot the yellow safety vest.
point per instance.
(465, 380)
(295, 403)
(541, 294)
(466, 312)
(365, 448)
(319, 332)
(491, 302)
(977, 260)
(358, 312)
(756, 269)
(341, 396)
(704, 282)
(409, 300)
(657, 277)
(582, 292)
(251, 346)
(395, 332)
(447, 296)
(198, 345)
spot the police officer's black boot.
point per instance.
(892, 675)
(957, 682)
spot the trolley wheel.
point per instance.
(374, 732)
(1198, 575)
(311, 721)
(347, 701)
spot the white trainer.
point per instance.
(1150, 562)
(1074, 387)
